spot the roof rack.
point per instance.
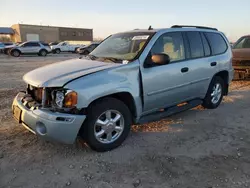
(200, 27)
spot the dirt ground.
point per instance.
(198, 148)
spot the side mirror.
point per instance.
(160, 59)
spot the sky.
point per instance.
(111, 16)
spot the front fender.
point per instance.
(119, 79)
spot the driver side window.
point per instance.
(170, 44)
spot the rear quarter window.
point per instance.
(217, 43)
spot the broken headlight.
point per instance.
(64, 98)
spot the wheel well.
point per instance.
(224, 76)
(125, 97)
(16, 50)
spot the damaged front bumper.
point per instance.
(44, 123)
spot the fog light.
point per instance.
(40, 128)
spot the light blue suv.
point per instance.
(130, 78)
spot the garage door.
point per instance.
(32, 37)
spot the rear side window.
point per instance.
(206, 46)
(195, 42)
(217, 43)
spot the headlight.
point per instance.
(65, 98)
(59, 98)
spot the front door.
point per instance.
(64, 47)
(166, 85)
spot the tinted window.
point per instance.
(170, 44)
(31, 44)
(243, 43)
(195, 43)
(205, 45)
(217, 43)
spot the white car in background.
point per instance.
(65, 47)
(31, 47)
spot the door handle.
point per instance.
(213, 64)
(185, 69)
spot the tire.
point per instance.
(15, 53)
(213, 99)
(43, 53)
(58, 51)
(98, 111)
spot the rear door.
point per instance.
(36, 47)
(200, 63)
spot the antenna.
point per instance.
(150, 28)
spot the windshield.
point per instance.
(123, 46)
(21, 44)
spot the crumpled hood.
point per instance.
(58, 74)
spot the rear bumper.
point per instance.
(49, 125)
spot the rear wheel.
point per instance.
(16, 53)
(214, 94)
(107, 124)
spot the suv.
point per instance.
(87, 49)
(32, 47)
(241, 58)
(130, 78)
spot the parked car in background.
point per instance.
(241, 58)
(130, 78)
(65, 47)
(8, 46)
(85, 50)
(31, 47)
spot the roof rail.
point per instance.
(200, 27)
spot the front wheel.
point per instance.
(15, 53)
(58, 51)
(214, 94)
(107, 125)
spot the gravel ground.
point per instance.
(198, 148)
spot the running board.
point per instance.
(169, 111)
